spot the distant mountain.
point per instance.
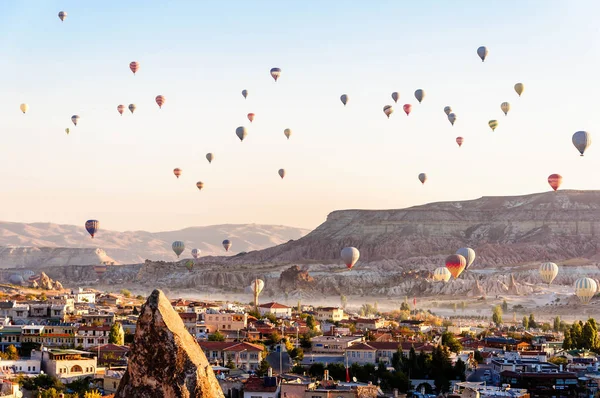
(132, 247)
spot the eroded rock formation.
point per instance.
(165, 360)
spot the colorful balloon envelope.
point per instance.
(459, 141)
(67, 130)
(62, 15)
(121, 109)
(177, 171)
(422, 178)
(24, 108)
(241, 132)
(178, 247)
(210, 157)
(275, 73)
(134, 66)
(350, 256)
(582, 141)
(420, 95)
(196, 253)
(456, 264)
(245, 93)
(482, 52)
(200, 185)
(388, 110)
(251, 117)
(493, 124)
(407, 108)
(344, 99)
(452, 118)
(281, 173)
(519, 87)
(585, 289)
(132, 108)
(287, 133)
(189, 264)
(160, 100)
(447, 110)
(548, 272)
(395, 96)
(555, 180)
(505, 106)
(92, 227)
(75, 119)
(227, 244)
(468, 254)
(441, 274)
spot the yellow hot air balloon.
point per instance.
(67, 130)
(519, 87)
(585, 289)
(505, 106)
(441, 274)
(388, 110)
(24, 108)
(288, 133)
(493, 124)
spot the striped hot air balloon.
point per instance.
(251, 117)
(226, 244)
(200, 185)
(585, 289)
(388, 110)
(75, 119)
(456, 264)
(134, 66)
(493, 124)
(178, 247)
(548, 272)
(92, 227)
(196, 253)
(121, 109)
(505, 106)
(468, 254)
(100, 269)
(555, 180)
(287, 133)
(160, 100)
(441, 274)
(62, 15)
(275, 73)
(177, 172)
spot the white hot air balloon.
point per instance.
(256, 286)
(548, 272)
(441, 274)
(585, 288)
(468, 254)
(350, 256)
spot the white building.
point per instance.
(67, 365)
(84, 296)
(279, 310)
(29, 366)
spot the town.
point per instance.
(77, 343)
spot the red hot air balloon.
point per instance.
(177, 172)
(251, 117)
(555, 180)
(407, 108)
(134, 66)
(459, 141)
(456, 264)
(160, 100)
(120, 109)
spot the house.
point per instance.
(333, 344)
(505, 343)
(99, 318)
(279, 310)
(214, 321)
(110, 354)
(10, 335)
(109, 299)
(84, 296)
(261, 387)
(361, 353)
(58, 335)
(244, 355)
(334, 314)
(180, 305)
(28, 366)
(295, 388)
(93, 336)
(17, 312)
(542, 384)
(189, 321)
(31, 334)
(67, 365)
(369, 324)
(112, 378)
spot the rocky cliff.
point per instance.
(37, 257)
(165, 361)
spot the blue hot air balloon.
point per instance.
(92, 227)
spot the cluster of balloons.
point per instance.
(585, 288)
(455, 265)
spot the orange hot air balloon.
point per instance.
(555, 180)
(120, 109)
(134, 66)
(459, 141)
(160, 100)
(456, 264)
(407, 108)
(251, 117)
(177, 172)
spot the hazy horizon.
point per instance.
(118, 169)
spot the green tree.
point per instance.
(216, 336)
(556, 324)
(559, 361)
(116, 335)
(504, 306)
(43, 297)
(272, 318)
(589, 336)
(317, 370)
(310, 322)
(230, 363)
(526, 323)
(126, 293)
(532, 323)
(139, 297)
(576, 333)
(450, 341)
(263, 368)
(305, 342)
(404, 306)
(297, 354)
(497, 315)
(11, 353)
(567, 342)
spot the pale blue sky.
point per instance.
(200, 55)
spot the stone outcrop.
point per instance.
(165, 361)
(295, 278)
(46, 283)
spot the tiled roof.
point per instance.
(274, 305)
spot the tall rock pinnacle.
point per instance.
(165, 361)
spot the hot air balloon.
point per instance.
(585, 288)
(67, 130)
(344, 99)
(199, 185)
(196, 253)
(189, 264)
(160, 100)
(281, 173)
(407, 108)
(350, 256)
(256, 286)
(241, 132)
(505, 106)
(441, 274)
(493, 124)
(459, 141)
(62, 15)
(24, 108)
(75, 119)
(456, 264)
(447, 110)
(388, 110)
(468, 254)
(452, 118)
(177, 172)
(482, 52)
(178, 247)
(245, 93)
(120, 109)
(251, 117)
(519, 87)
(226, 244)
(92, 227)
(419, 95)
(422, 178)
(132, 108)
(210, 157)
(287, 133)
(275, 73)
(555, 180)
(134, 66)
(582, 140)
(548, 272)
(395, 96)
(100, 269)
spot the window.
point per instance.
(29, 368)
(76, 368)
(114, 384)
(34, 368)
